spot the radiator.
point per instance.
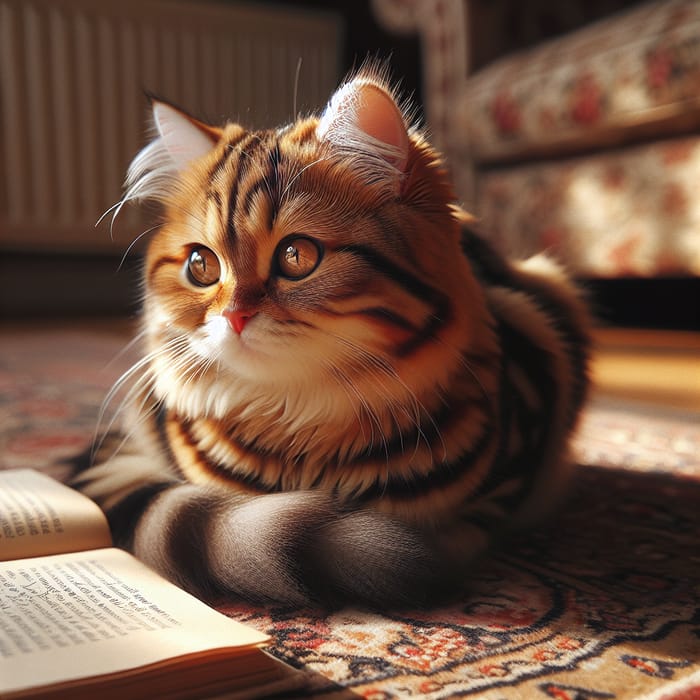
(72, 106)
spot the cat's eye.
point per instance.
(297, 257)
(203, 268)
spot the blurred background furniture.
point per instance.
(580, 140)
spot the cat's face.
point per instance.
(264, 259)
(326, 249)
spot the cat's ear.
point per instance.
(362, 118)
(180, 139)
(184, 137)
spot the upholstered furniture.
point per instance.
(586, 145)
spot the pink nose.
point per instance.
(238, 319)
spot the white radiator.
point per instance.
(72, 105)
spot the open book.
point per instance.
(80, 618)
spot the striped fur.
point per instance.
(360, 429)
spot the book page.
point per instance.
(99, 612)
(39, 515)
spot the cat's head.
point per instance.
(325, 251)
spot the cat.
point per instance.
(346, 392)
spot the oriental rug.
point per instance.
(602, 601)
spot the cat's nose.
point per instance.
(237, 319)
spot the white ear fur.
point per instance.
(363, 120)
(179, 141)
(184, 141)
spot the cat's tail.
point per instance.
(301, 546)
(298, 548)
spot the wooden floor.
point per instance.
(657, 367)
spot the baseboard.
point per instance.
(39, 285)
(671, 303)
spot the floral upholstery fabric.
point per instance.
(587, 145)
(597, 86)
(633, 211)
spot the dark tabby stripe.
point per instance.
(247, 481)
(186, 530)
(274, 182)
(488, 266)
(576, 343)
(449, 415)
(442, 476)
(442, 307)
(244, 154)
(427, 433)
(123, 517)
(229, 151)
(383, 315)
(516, 414)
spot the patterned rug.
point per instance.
(601, 602)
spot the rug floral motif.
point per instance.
(602, 601)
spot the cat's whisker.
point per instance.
(144, 411)
(297, 75)
(190, 366)
(196, 370)
(139, 387)
(464, 363)
(130, 374)
(115, 387)
(420, 409)
(138, 337)
(126, 401)
(116, 206)
(386, 369)
(373, 365)
(346, 385)
(119, 384)
(364, 404)
(298, 174)
(134, 242)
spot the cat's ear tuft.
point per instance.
(184, 137)
(363, 118)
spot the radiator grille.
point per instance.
(72, 106)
